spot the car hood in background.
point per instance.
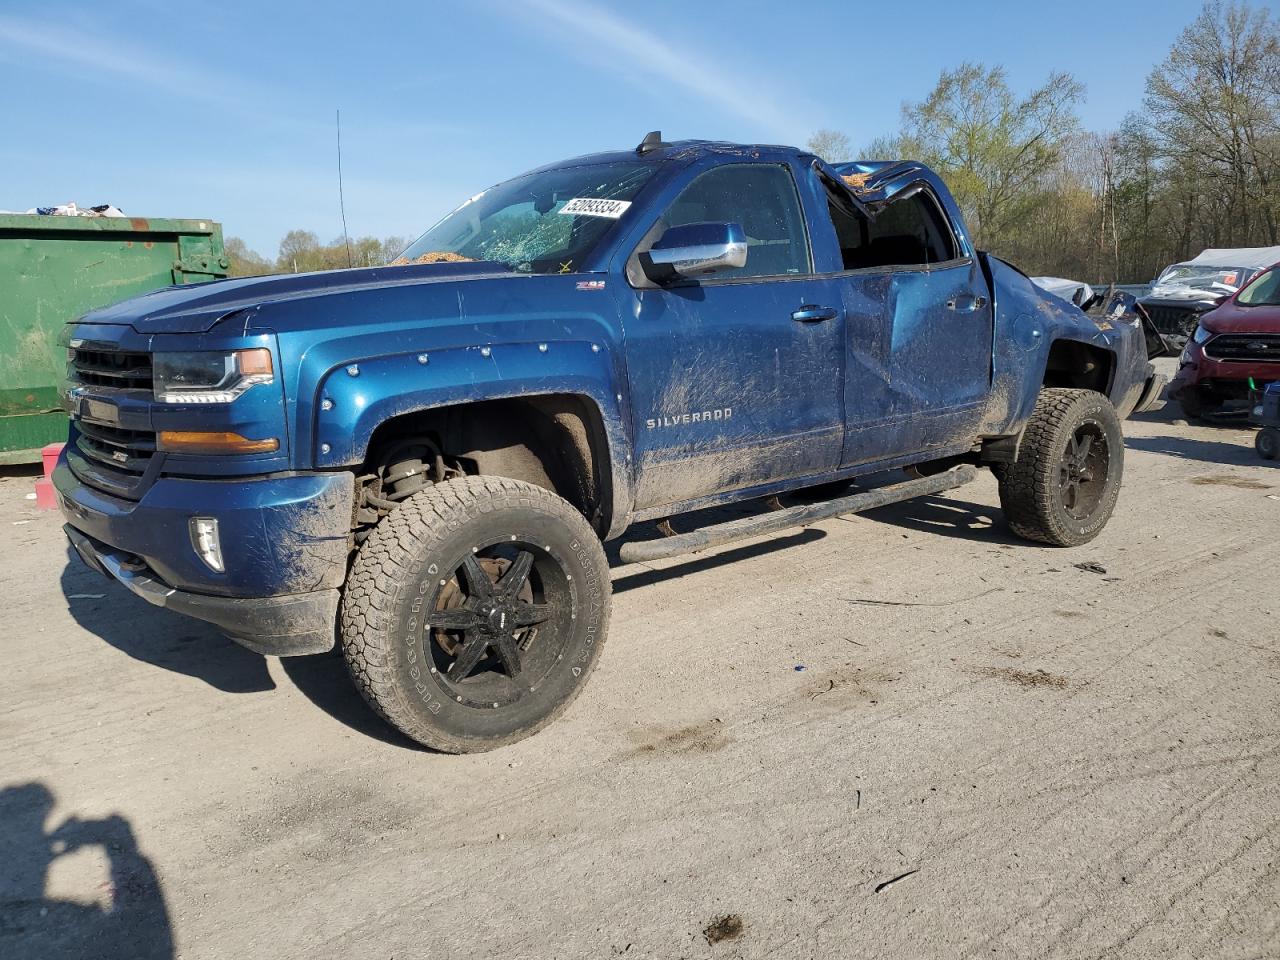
(1230, 318)
(1066, 289)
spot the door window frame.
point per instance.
(926, 188)
(637, 278)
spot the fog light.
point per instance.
(204, 538)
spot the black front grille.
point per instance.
(114, 369)
(1244, 347)
(105, 455)
(1179, 321)
(112, 460)
(129, 451)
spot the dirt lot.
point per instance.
(903, 734)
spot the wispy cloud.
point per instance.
(52, 45)
(641, 56)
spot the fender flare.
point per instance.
(354, 398)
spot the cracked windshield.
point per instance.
(545, 222)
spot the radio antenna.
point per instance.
(342, 203)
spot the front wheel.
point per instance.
(1063, 487)
(475, 612)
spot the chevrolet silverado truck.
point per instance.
(421, 462)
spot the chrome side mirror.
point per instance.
(694, 250)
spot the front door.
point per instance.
(736, 380)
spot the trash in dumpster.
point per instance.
(71, 210)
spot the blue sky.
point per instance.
(226, 110)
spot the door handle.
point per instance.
(809, 313)
(968, 303)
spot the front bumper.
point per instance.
(1217, 375)
(284, 540)
(291, 625)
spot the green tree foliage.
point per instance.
(301, 251)
(244, 262)
(1197, 166)
(997, 152)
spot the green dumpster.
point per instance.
(52, 270)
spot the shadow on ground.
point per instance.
(173, 642)
(948, 518)
(693, 563)
(1221, 452)
(122, 915)
(157, 636)
(323, 679)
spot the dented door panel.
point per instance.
(727, 390)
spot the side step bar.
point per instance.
(740, 529)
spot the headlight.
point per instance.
(208, 377)
(1201, 335)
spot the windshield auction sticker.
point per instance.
(590, 207)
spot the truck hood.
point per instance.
(1230, 318)
(198, 307)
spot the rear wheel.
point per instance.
(1063, 487)
(475, 612)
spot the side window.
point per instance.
(906, 232)
(762, 199)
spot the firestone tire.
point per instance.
(1267, 443)
(1063, 487)
(475, 612)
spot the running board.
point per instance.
(721, 533)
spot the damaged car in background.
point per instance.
(423, 461)
(1112, 305)
(1184, 291)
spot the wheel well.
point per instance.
(1080, 365)
(555, 441)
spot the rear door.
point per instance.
(735, 382)
(918, 327)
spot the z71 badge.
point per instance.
(680, 419)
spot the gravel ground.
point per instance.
(902, 734)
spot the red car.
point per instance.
(1236, 342)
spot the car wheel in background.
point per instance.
(1267, 443)
(1196, 405)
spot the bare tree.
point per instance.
(831, 145)
(1213, 105)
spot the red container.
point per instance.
(50, 455)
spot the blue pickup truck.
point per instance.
(420, 462)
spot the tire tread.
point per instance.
(384, 564)
(1027, 486)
